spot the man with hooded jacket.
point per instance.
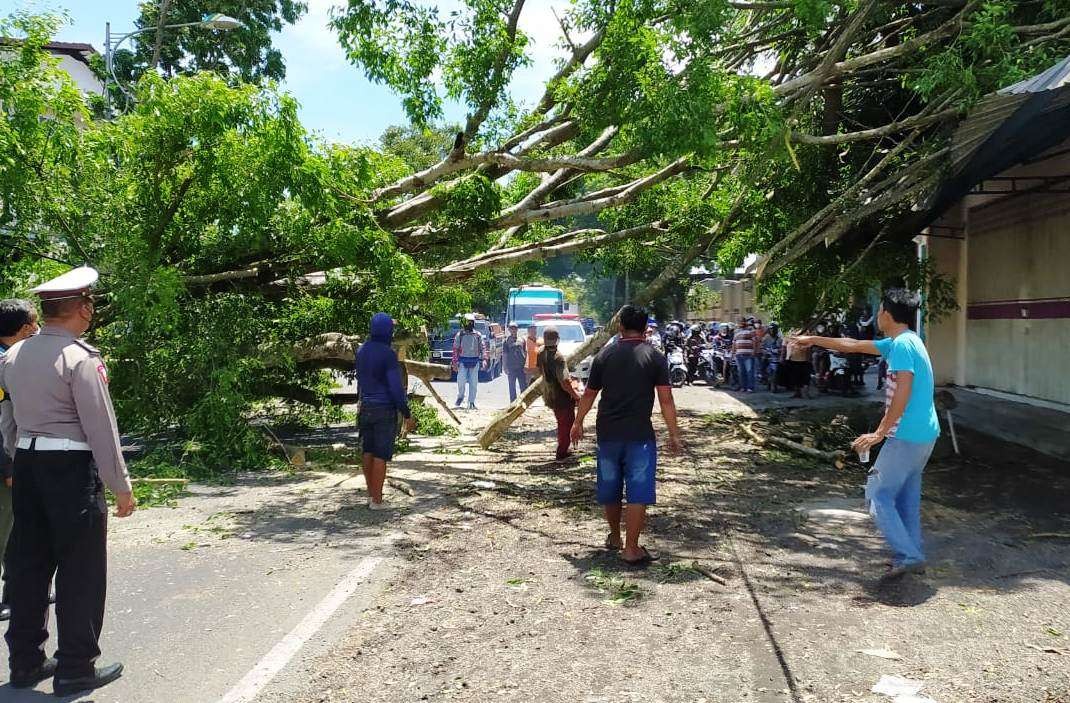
(382, 397)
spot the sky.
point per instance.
(336, 100)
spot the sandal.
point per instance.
(641, 561)
(609, 543)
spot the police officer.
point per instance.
(66, 451)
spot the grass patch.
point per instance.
(615, 588)
(673, 573)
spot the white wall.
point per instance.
(83, 77)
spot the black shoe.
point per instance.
(31, 677)
(102, 676)
(5, 612)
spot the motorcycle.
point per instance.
(677, 365)
(770, 366)
(838, 377)
(694, 363)
(707, 366)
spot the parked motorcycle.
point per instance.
(838, 377)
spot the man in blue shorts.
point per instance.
(628, 373)
(909, 428)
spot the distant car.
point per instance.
(572, 338)
(442, 345)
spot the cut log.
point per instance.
(401, 486)
(838, 459)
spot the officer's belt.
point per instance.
(52, 444)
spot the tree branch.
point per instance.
(876, 57)
(569, 243)
(586, 207)
(917, 121)
(476, 119)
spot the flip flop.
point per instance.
(641, 561)
(609, 543)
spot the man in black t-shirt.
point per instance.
(628, 374)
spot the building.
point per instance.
(1000, 227)
(1006, 242)
(734, 299)
(74, 58)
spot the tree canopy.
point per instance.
(669, 133)
(246, 52)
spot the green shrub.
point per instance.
(428, 423)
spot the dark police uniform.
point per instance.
(67, 449)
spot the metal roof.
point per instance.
(1057, 76)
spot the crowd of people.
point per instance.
(750, 354)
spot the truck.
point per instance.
(533, 299)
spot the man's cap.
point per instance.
(470, 317)
(513, 325)
(76, 283)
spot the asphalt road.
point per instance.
(492, 395)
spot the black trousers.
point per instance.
(61, 526)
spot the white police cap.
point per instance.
(76, 283)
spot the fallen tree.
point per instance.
(222, 228)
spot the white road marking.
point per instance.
(280, 655)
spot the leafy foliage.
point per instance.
(404, 44)
(246, 51)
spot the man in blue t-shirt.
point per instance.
(909, 428)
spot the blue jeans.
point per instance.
(467, 376)
(626, 470)
(745, 362)
(894, 494)
(518, 381)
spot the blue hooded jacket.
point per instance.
(378, 370)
